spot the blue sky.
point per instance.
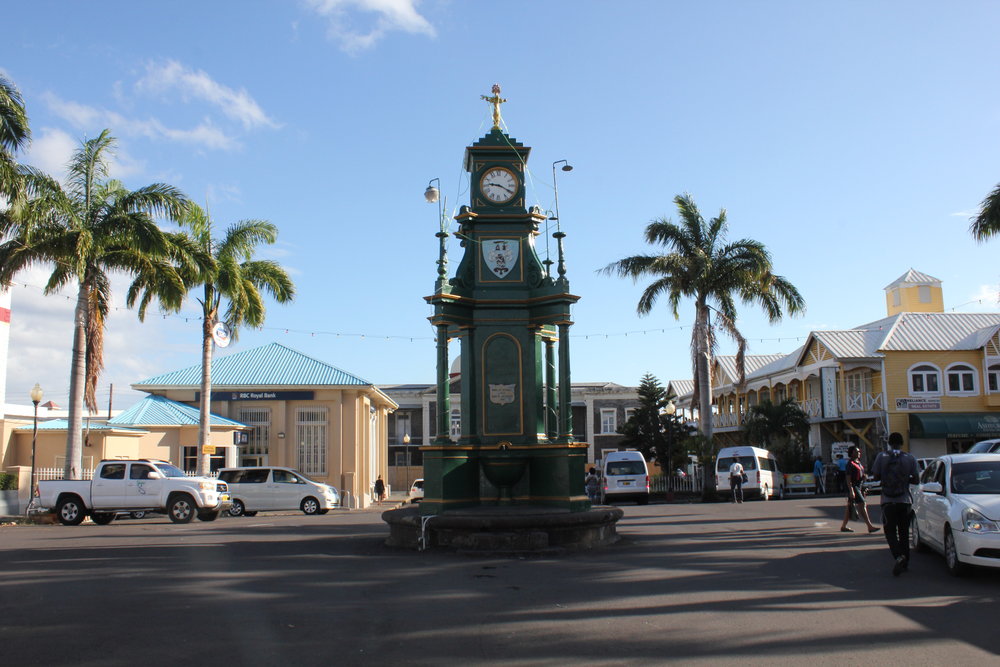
(854, 139)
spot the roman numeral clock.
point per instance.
(511, 319)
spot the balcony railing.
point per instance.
(865, 402)
(812, 407)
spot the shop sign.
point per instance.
(918, 403)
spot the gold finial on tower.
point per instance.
(496, 101)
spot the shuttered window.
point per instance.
(310, 433)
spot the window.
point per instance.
(260, 434)
(895, 297)
(924, 380)
(629, 413)
(993, 377)
(609, 420)
(310, 434)
(455, 428)
(113, 471)
(859, 382)
(285, 477)
(190, 459)
(961, 379)
(139, 471)
(779, 393)
(924, 293)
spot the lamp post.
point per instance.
(669, 410)
(36, 398)
(406, 441)
(566, 166)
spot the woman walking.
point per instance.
(855, 495)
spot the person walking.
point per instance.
(855, 495)
(736, 475)
(818, 476)
(593, 486)
(896, 470)
(379, 489)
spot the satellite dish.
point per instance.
(221, 334)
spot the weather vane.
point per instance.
(496, 101)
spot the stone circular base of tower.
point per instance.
(519, 529)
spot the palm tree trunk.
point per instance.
(205, 404)
(702, 368)
(73, 468)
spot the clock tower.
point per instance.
(511, 318)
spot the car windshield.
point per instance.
(748, 462)
(976, 478)
(169, 470)
(984, 447)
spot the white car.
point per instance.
(956, 510)
(417, 491)
(273, 488)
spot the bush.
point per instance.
(8, 482)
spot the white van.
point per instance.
(624, 476)
(764, 479)
(270, 488)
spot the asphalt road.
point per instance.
(757, 583)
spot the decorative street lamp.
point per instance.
(669, 410)
(36, 398)
(406, 441)
(566, 166)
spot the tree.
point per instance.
(782, 428)
(14, 136)
(652, 429)
(231, 277)
(701, 265)
(90, 229)
(987, 223)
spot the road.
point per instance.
(757, 583)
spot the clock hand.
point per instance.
(502, 187)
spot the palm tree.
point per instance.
(780, 427)
(14, 136)
(987, 223)
(90, 229)
(701, 265)
(233, 276)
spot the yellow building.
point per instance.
(932, 376)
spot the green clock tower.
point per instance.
(511, 317)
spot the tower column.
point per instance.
(565, 407)
(443, 388)
(551, 415)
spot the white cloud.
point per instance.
(51, 151)
(390, 16)
(984, 300)
(964, 214)
(237, 104)
(89, 118)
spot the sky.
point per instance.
(854, 139)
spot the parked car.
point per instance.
(134, 486)
(956, 510)
(764, 477)
(416, 493)
(273, 488)
(625, 476)
(985, 447)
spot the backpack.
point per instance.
(895, 478)
(592, 482)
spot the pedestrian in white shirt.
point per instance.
(736, 480)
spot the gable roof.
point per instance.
(268, 365)
(160, 411)
(751, 363)
(939, 331)
(913, 277)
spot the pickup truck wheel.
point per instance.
(102, 518)
(209, 516)
(70, 511)
(181, 508)
(310, 506)
(237, 508)
(137, 515)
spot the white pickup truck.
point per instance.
(132, 486)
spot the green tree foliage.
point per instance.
(782, 428)
(659, 436)
(87, 231)
(987, 223)
(15, 134)
(232, 279)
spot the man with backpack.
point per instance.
(896, 470)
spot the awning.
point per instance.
(955, 425)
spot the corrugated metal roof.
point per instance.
(268, 365)
(751, 362)
(913, 277)
(939, 331)
(681, 387)
(63, 424)
(784, 362)
(160, 411)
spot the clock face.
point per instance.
(498, 185)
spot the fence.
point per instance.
(686, 484)
(48, 474)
